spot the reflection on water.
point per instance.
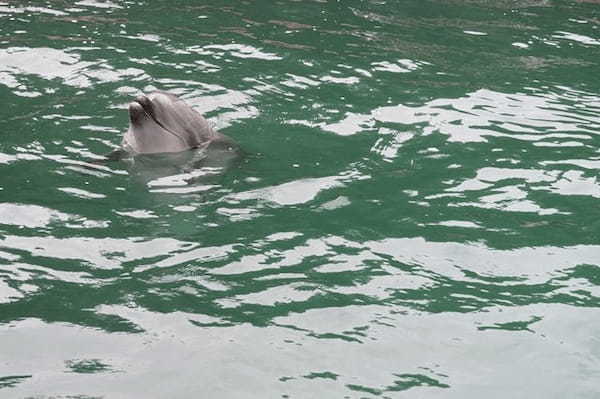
(415, 213)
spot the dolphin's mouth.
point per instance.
(148, 108)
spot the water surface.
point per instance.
(416, 215)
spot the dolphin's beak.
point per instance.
(142, 109)
(145, 103)
(136, 113)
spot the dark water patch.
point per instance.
(87, 366)
(12, 381)
(416, 213)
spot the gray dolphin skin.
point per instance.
(161, 122)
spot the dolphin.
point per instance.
(161, 122)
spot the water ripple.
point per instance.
(415, 209)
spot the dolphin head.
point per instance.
(161, 122)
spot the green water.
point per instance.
(417, 214)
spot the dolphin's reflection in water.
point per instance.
(196, 167)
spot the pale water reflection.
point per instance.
(415, 212)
